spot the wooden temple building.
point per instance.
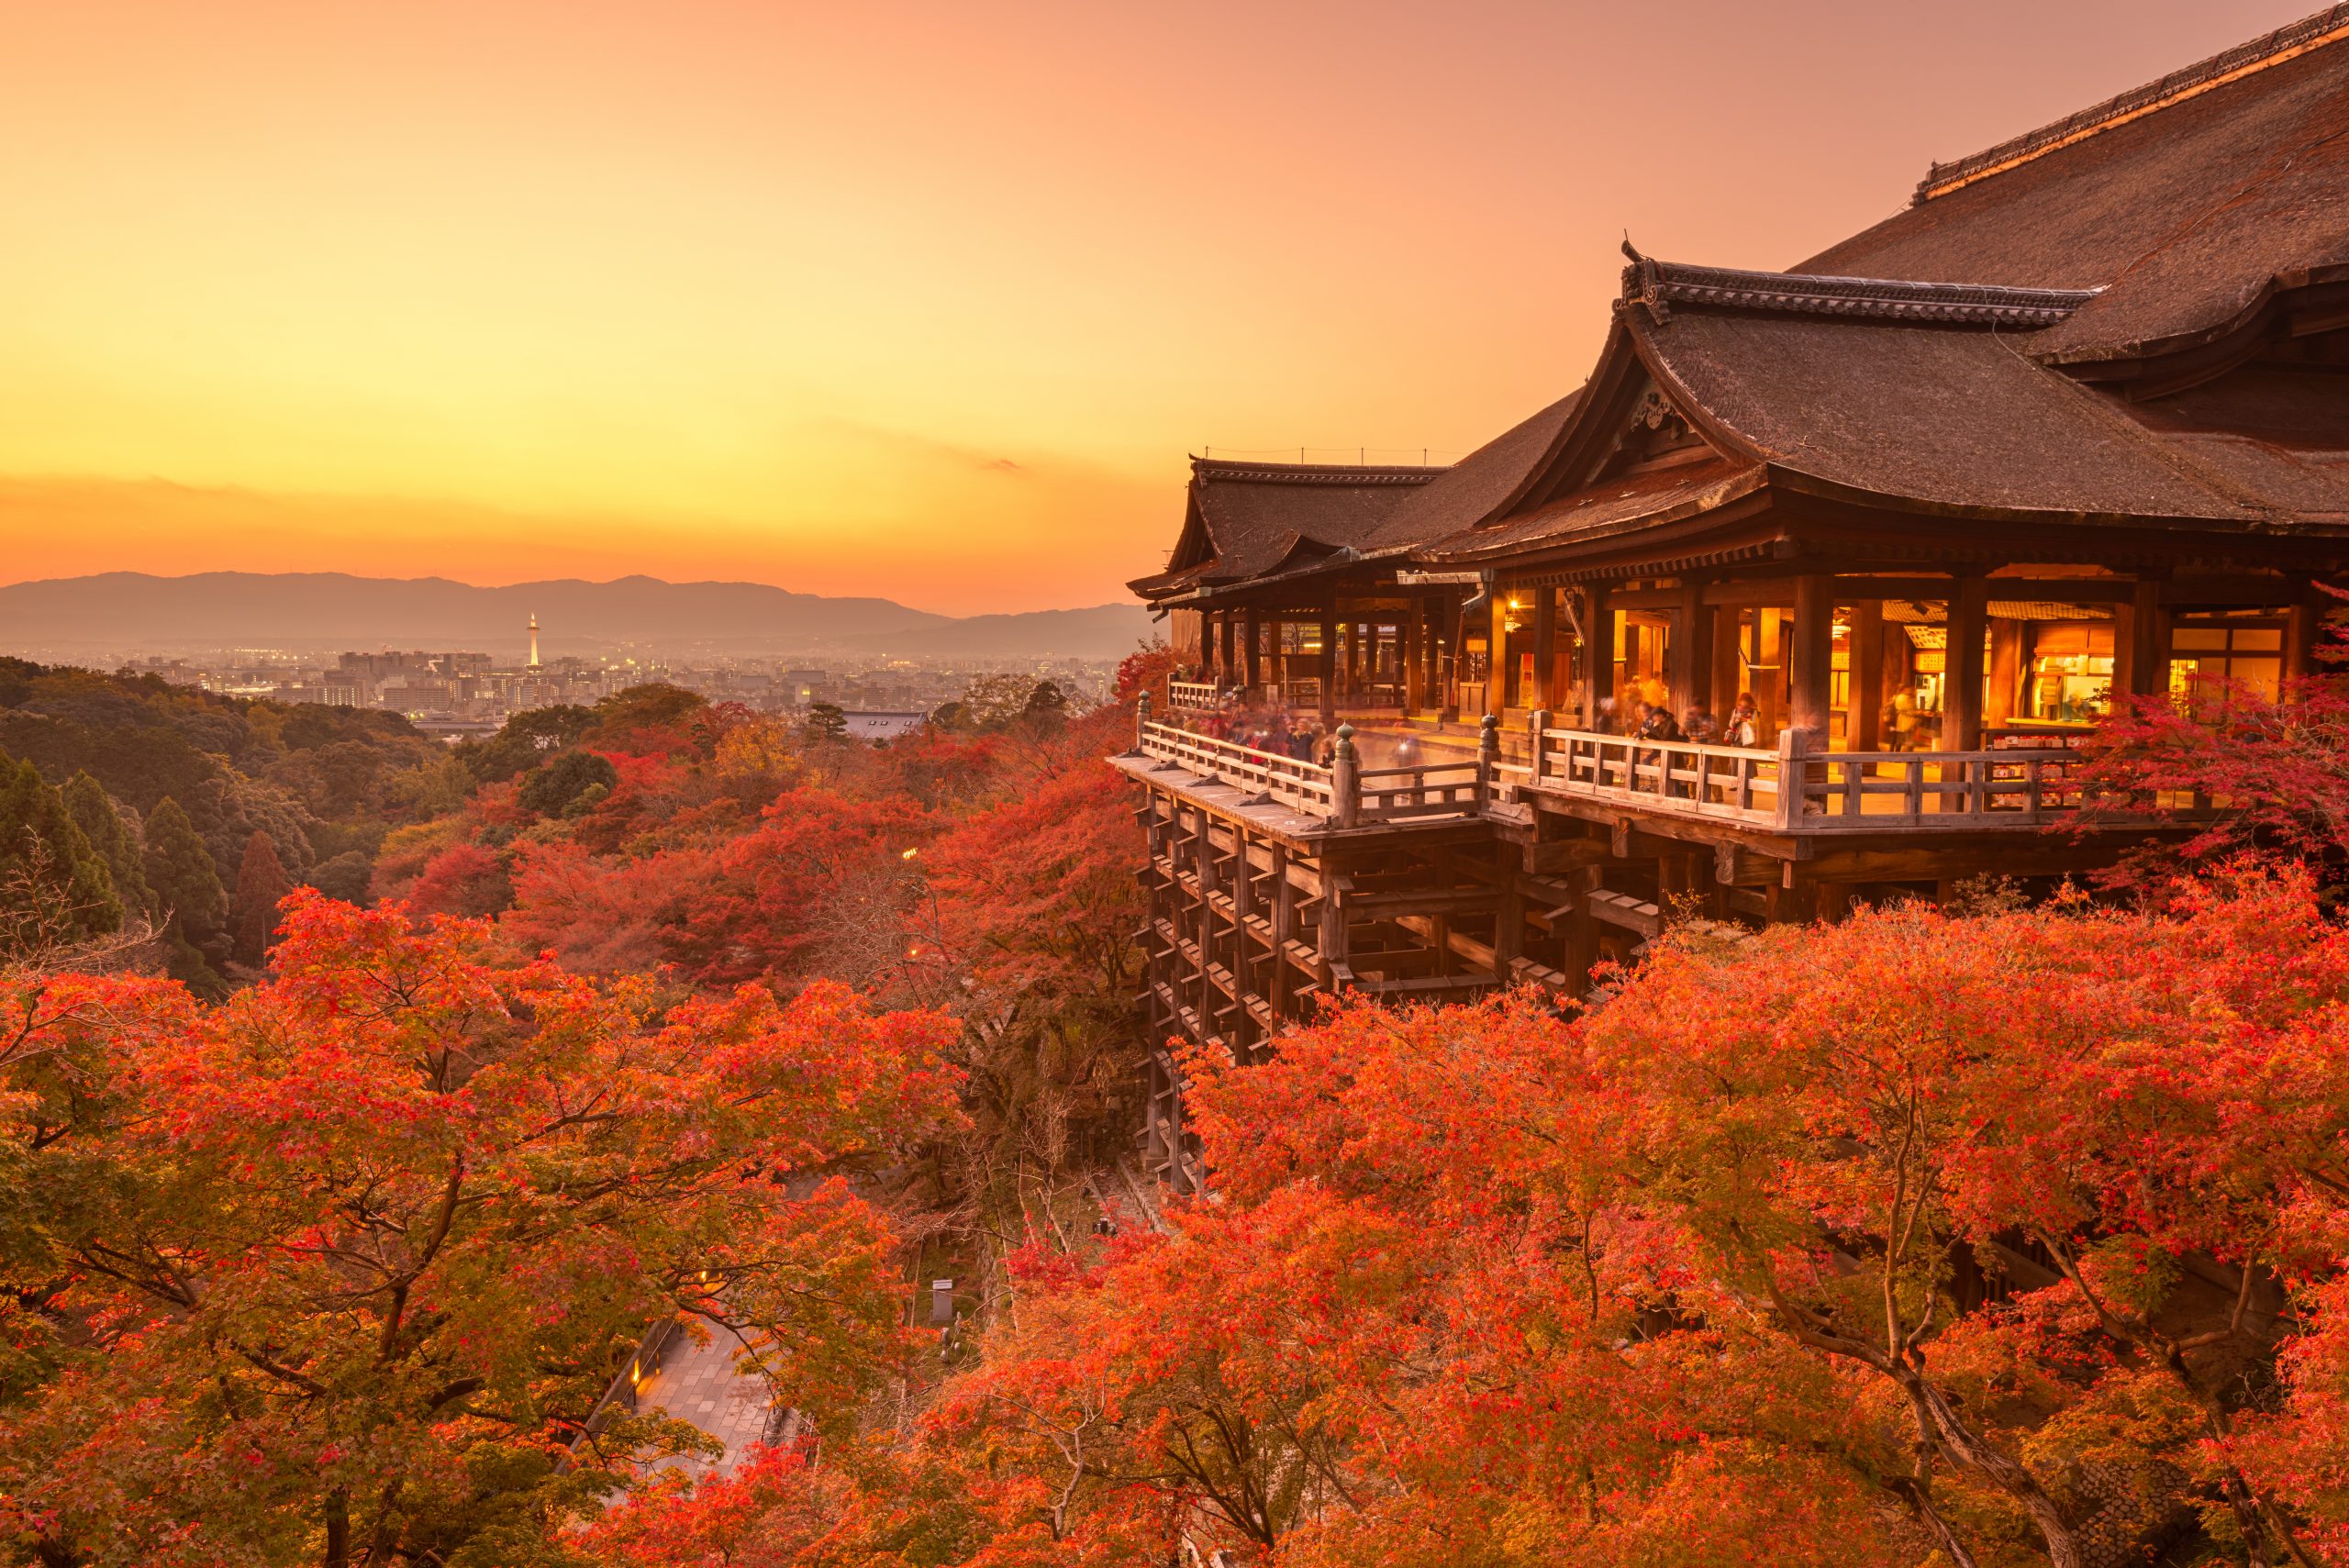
(2074, 422)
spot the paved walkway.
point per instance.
(699, 1384)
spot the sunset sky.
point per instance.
(924, 301)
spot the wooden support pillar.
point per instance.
(1205, 864)
(1245, 966)
(1497, 651)
(1509, 931)
(2006, 672)
(2140, 640)
(1790, 902)
(1440, 649)
(1545, 649)
(1283, 932)
(1729, 668)
(1811, 656)
(1178, 1175)
(2300, 624)
(1770, 639)
(1252, 670)
(1969, 604)
(1862, 728)
(1692, 656)
(1409, 654)
(1581, 932)
(1598, 654)
(1326, 669)
(1334, 943)
(1225, 663)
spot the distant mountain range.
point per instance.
(132, 612)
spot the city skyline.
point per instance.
(904, 301)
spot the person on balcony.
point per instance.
(1903, 723)
(1655, 723)
(1744, 724)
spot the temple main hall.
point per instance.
(1807, 594)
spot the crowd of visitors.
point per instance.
(1270, 728)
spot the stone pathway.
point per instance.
(699, 1384)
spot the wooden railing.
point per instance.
(1346, 794)
(1305, 787)
(1795, 790)
(1872, 792)
(1791, 789)
(1734, 783)
(1192, 694)
(1424, 789)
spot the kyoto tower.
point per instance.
(534, 640)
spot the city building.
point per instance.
(864, 724)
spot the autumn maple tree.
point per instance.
(334, 1272)
(1921, 1234)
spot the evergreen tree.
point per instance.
(53, 887)
(553, 787)
(1047, 706)
(187, 888)
(260, 883)
(827, 725)
(94, 812)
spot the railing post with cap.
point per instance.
(1142, 722)
(1489, 757)
(1345, 777)
(1791, 742)
(1540, 724)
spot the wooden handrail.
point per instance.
(1304, 786)
(1192, 694)
(1791, 789)
(1796, 789)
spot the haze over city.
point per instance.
(918, 301)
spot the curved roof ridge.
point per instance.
(2287, 42)
(1212, 469)
(1659, 285)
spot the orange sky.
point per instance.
(926, 301)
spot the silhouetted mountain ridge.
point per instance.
(307, 611)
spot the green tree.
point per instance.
(187, 890)
(260, 883)
(1047, 706)
(827, 725)
(54, 889)
(526, 739)
(551, 791)
(345, 876)
(94, 812)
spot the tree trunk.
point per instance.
(1971, 1453)
(1920, 1503)
(337, 1555)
